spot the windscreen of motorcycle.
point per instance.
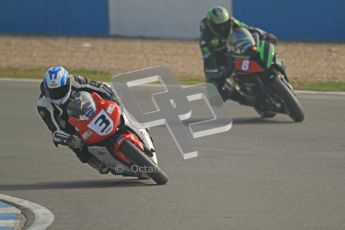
(239, 41)
(81, 105)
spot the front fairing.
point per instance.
(242, 44)
(102, 125)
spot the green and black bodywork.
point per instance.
(260, 76)
(214, 49)
(268, 56)
(213, 45)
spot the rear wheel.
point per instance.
(293, 106)
(151, 169)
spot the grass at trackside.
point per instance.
(37, 73)
(319, 86)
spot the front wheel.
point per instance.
(151, 169)
(289, 99)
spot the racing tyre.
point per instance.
(294, 107)
(155, 172)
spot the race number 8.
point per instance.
(245, 65)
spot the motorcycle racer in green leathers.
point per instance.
(215, 29)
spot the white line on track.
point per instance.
(19, 79)
(43, 217)
(319, 93)
(297, 91)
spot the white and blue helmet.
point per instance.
(57, 85)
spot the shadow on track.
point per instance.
(258, 120)
(244, 121)
(75, 185)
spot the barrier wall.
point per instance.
(52, 17)
(315, 20)
(159, 18)
(145, 18)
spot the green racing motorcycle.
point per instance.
(259, 76)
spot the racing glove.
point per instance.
(264, 35)
(63, 138)
(224, 72)
(75, 142)
(271, 38)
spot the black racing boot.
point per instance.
(143, 176)
(99, 166)
(234, 95)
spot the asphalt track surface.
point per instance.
(262, 174)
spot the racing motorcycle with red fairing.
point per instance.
(258, 75)
(110, 137)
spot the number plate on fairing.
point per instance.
(101, 124)
(248, 66)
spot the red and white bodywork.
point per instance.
(102, 125)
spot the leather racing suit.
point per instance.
(55, 117)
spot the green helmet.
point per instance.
(218, 15)
(219, 22)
